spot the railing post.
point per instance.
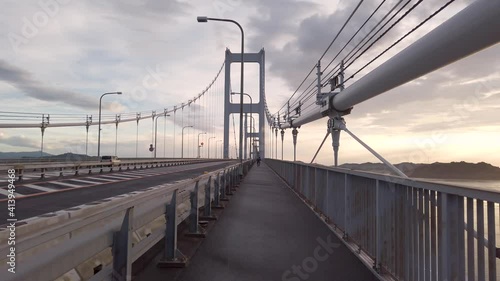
(378, 227)
(427, 242)
(223, 183)
(231, 176)
(408, 252)
(237, 179)
(448, 238)
(122, 249)
(77, 170)
(347, 189)
(172, 257)
(420, 222)
(217, 193)
(434, 231)
(492, 250)
(19, 173)
(207, 210)
(194, 228)
(296, 178)
(480, 241)
(470, 239)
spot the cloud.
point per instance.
(150, 10)
(19, 141)
(310, 32)
(24, 81)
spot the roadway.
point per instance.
(32, 171)
(41, 197)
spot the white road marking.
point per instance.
(41, 188)
(64, 184)
(144, 173)
(118, 178)
(126, 175)
(103, 179)
(84, 181)
(6, 193)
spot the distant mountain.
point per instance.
(453, 170)
(18, 155)
(70, 157)
(30, 156)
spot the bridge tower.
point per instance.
(233, 108)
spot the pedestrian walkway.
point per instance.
(268, 233)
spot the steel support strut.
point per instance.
(337, 124)
(172, 257)
(334, 126)
(207, 210)
(218, 193)
(194, 228)
(122, 249)
(295, 132)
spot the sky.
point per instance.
(59, 56)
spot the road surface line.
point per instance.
(64, 184)
(6, 193)
(84, 181)
(41, 188)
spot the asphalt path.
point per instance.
(39, 204)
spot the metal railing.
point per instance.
(119, 230)
(405, 229)
(89, 166)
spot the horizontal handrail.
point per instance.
(77, 167)
(406, 229)
(48, 247)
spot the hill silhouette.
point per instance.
(453, 170)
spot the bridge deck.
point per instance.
(268, 233)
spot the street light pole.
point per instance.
(199, 143)
(252, 140)
(182, 140)
(156, 129)
(209, 146)
(99, 133)
(216, 148)
(251, 102)
(206, 19)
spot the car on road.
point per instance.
(113, 160)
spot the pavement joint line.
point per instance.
(106, 180)
(119, 178)
(136, 175)
(129, 176)
(140, 173)
(64, 184)
(84, 181)
(41, 188)
(6, 193)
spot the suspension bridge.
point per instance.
(198, 206)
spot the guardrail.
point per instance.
(79, 167)
(405, 229)
(102, 239)
(74, 158)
